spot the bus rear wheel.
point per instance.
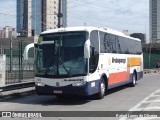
(134, 80)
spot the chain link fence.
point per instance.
(18, 70)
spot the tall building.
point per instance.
(141, 36)
(154, 20)
(35, 16)
(24, 17)
(49, 14)
(65, 13)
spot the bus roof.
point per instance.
(86, 28)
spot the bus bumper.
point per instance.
(84, 90)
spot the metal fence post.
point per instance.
(20, 61)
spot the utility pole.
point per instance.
(11, 46)
(59, 15)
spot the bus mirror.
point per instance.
(25, 55)
(87, 49)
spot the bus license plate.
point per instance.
(58, 91)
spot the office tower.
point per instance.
(50, 11)
(154, 20)
(36, 16)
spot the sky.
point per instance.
(131, 15)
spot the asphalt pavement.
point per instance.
(145, 96)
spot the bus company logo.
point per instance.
(109, 61)
(116, 60)
(57, 84)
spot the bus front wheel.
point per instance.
(102, 91)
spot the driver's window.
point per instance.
(94, 51)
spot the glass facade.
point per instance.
(64, 12)
(36, 16)
(33, 12)
(23, 18)
(20, 9)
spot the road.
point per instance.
(145, 96)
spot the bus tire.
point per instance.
(102, 91)
(134, 80)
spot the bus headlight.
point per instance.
(40, 84)
(79, 83)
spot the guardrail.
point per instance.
(17, 86)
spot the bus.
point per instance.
(85, 61)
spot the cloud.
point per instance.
(132, 15)
(9, 8)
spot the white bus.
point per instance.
(85, 61)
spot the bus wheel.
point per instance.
(102, 91)
(134, 80)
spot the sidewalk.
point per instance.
(4, 96)
(20, 89)
(146, 71)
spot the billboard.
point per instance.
(2, 69)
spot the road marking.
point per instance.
(147, 118)
(153, 101)
(148, 109)
(145, 100)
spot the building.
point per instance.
(49, 14)
(141, 36)
(7, 32)
(2, 34)
(36, 16)
(65, 13)
(28, 17)
(154, 20)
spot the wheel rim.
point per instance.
(102, 88)
(134, 80)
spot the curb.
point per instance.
(151, 71)
(15, 95)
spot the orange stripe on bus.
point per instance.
(134, 61)
(118, 77)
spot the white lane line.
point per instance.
(148, 108)
(156, 95)
(135, 108)
(151, 108)
(153, 101)
(147, 118)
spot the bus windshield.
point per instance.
(61, 55)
